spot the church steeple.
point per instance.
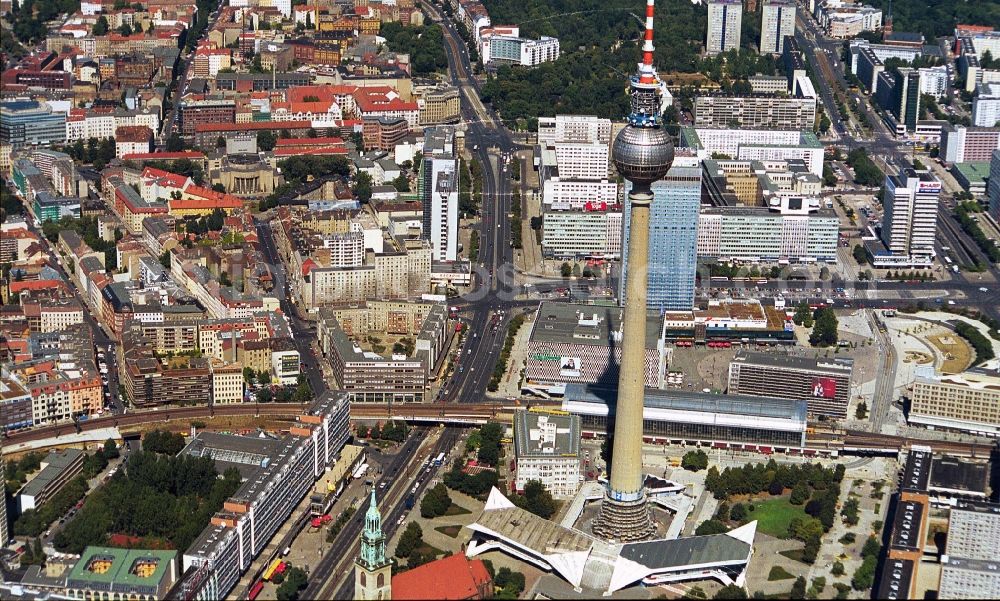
(372, 571)
(372, 539)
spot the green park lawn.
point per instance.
(774, 515)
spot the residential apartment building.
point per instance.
(969, 564)
(825, 384)
(968, 402)
(898, 92)
(282, 474)
(935, 80)
(755, 112)
(593, 230)
(673, 237)
(15, 402)
(800, 233)
(201, 112)
(547, 449)
(725, 21)
(909, 223)
(439, 186)
(968, 144)
(777, 23)
(748, 144)
(522, 51)
(986, 105)
(579, 129)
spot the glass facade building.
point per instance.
(673, 240)
(30, 123)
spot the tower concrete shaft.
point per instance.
(643, 153)
(624, 513)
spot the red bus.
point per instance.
(255, 590)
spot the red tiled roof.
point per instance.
(261, 125)
(166, 156)
(452, 577)
(16, 287)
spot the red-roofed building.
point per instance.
(132, 139)
(384, 101)
(194, 155)
(198, 201)
(448, 578)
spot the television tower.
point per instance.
(643, 153)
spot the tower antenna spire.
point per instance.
(647, 74)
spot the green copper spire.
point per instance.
(372, 539)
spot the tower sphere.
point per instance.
(642, 155)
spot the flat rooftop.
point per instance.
(591, 325)
(954, 475)
(698, 402)
(544, 434)
(834, 367)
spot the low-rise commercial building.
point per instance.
(111, 573)
(789, 230)
(687, 417)
(57, 469)
(970, 569)
(547, 449)
(583, 344)
(825, 384)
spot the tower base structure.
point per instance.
(624, 521)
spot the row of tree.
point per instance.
(33, 522)
(163, 442)
(508, 346)
(165, 500)
(866, 172)
(393, 430)
(771, 477)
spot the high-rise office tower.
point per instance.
(643, 153)
(909, 224)
(993, 186)
(673, 238)
(777, 21)
(725, 18)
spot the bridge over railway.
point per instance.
(819, 441)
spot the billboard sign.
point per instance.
(569, 367)
(824, 388)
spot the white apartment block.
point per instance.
(346, 250)
(777, 21)
(909, 224)
(536, 52)
(934, 81)
(583, 233)
(970, 568)
(547, 449)
(968, 144)
(756, 144)
(755, 234)
(53, 319)
(581, 129)
(725, 19)
(844, 19)
(227, 383)
(986, 105)
(570, 195)
(582, 161)
(755, 112)
(80, 125)
(443, 223)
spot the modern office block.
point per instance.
(909, 223)
(673, 237)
